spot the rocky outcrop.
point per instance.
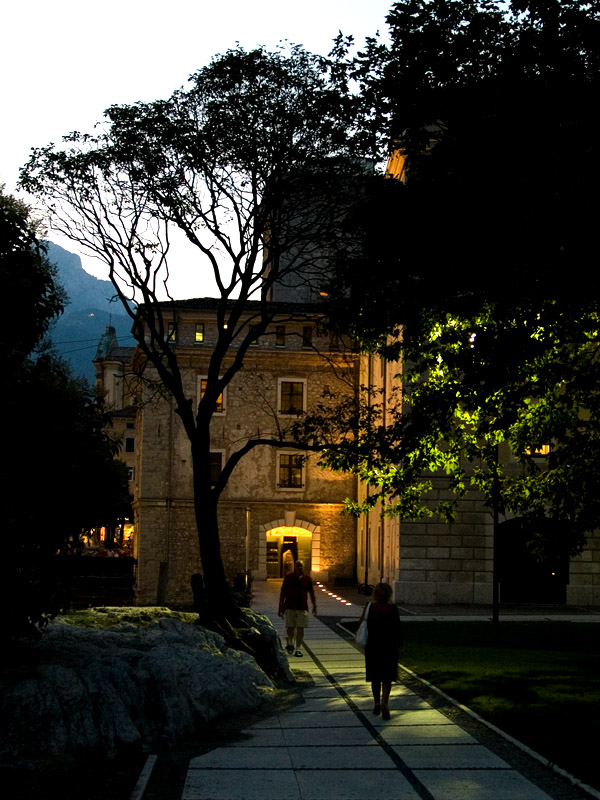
(129, 685)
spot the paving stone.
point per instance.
(240, 784)
(447, 784)
(260, 737)
(354, 785)
(451, 756)
(427, 716)
(351, 757)
(321, 704)
(243, 758)
(322, 719)
(402, 703)
(426, 734)
(324, 736)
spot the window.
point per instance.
(307, 336)
(280, 336)
(290, 471)
(538, 452)
(216, 466)
(171, 331)
(130, 473)
(220, 404)
(199, 332)
(292, 396)
(130, 426)
(129, 444)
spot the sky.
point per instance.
(63, 62)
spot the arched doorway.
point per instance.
(283, 539)
(288, 533)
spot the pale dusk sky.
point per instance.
(63, 62)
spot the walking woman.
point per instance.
(383, 647)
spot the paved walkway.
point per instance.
(331, 747)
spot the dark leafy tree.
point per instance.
(252, 163)
(59, 474)
(478, 260)
(28, 276)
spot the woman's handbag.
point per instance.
(362, 634)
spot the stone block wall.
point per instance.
(168, 552)
(584, 574)
(446, 563)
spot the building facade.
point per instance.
(277, 498)
(433, 562)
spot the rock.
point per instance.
(129, 685)
(264, 640)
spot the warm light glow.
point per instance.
(396, 166)
(289, 531)
(538, 452)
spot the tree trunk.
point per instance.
(217, 604)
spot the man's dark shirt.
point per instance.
(295, 591)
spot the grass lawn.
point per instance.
(540, 682)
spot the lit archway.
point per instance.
(301, 538)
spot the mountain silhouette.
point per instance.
(91, 307)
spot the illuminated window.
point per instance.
(280, 336)
(172, 332)
(292, 396)
(538, 452)
(220, 404)
(199, 332)
(290, 471)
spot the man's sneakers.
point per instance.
(298, 653)
(289, 648)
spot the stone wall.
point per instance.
(166, 539)
(584, 574)
(168, 552)
(445, 563)
(452, 563)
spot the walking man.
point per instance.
(293, 606)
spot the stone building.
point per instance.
(277, 498)
(432, 562)
(113, 383)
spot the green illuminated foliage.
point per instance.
(471, 272)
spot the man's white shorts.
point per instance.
(296, 619)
